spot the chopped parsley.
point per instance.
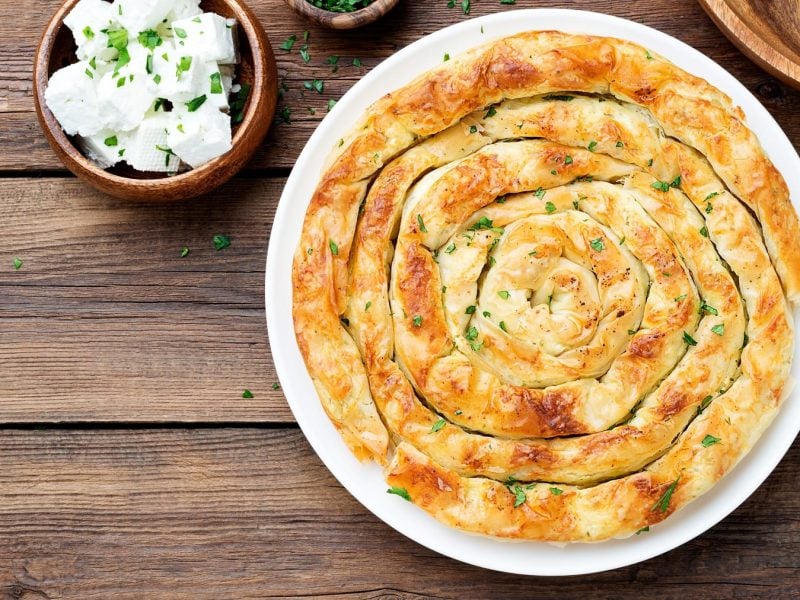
(550, 207)
(710, 310)
(304, 54)
(276, 385)
(317, 85)
(237, 103)
(181, 33)
(558, 97)
(471, 334)
(438, 425)
(567, 160)
(598, 244)
(519, 495)
(620, 145)
(470, 310)
(417, 320)
(398, 491)
(592, 146)
(473, 129)
(556, 491)
(660, 185)
(288, 43)
(450, 248)
(675, 183)
(185, 251)
(331, 104)
(421, 224)
(88, 33)
(150, 39)
(643, 530)
(503, 326)
(540, 192)
(504, 294)
(718, 329)
(663, 502)
(247, 394)
(689, 339)
(196, 103)
(709, 440)
(111, 141)
(704, 404)
(17, 264)
(704, 231)
(221, 241)
(490, 113)
(334, 247)
(216, 83)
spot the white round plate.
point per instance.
(365, 481)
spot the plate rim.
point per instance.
(410, 521)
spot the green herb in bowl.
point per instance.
(340, 5)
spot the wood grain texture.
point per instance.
(247, 513)
(767, 31)
(105, 321)
(23, 148)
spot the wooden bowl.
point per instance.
(767, 32)
(338, 20)
(256, 68)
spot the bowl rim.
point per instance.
(79, 164)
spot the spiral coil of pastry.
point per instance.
(547, 284)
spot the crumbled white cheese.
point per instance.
(148, 148)
(123, 97)
(209, 37)
(138, 15)
(184, 8)
(105, 148)
(147, 64)
(71, 96)
(200, 136)
(87, 21)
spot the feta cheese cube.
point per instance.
(208, 37)
(124, 97)
(87, 20)
(72, 97)
(182, 9)
(178, 76)
(200, 136)
(211, 84)
(148, 148)
(105, 148)
(138, 15)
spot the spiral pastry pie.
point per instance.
(547, 284)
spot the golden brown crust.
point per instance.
(605, 282)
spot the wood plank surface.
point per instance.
(23, 148)
(105, 321)
(248, 513)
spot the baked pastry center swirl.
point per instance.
(550, 303)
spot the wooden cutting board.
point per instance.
(767, 31)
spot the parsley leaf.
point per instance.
(221, 241)
(398, 491)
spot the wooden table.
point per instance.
(130, 464)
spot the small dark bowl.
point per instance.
(338, 20)
(257, 68)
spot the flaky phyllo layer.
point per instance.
(546, 285)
